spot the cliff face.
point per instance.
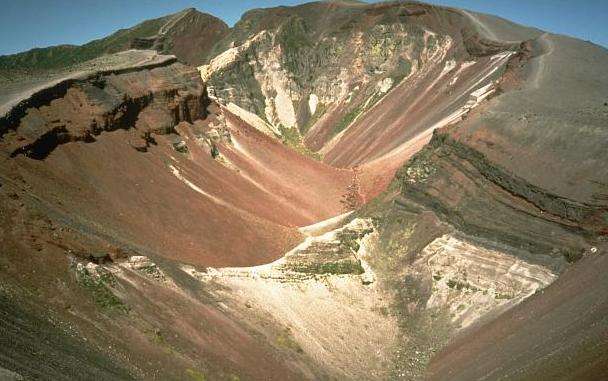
(292, 72)
(153, 101)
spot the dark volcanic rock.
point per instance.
(150, 100)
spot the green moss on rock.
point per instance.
(291, 137)
(98, 287)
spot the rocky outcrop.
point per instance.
(474, 282)
(340, 251)
(337, 61)
(558, 333)
(34, 93)
(283, 69)
(496, 204)
(80, 109)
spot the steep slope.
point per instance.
(529, 172)
(559, 335)
(520, 174)
(364, 83)
(515, 150)
(187, 159)
(130, 160)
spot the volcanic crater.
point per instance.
(335, 190)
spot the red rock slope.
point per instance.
(127, 156)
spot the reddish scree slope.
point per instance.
(199, 210)
(135, 196)
(383, 138)
(398, 128)
(188, 207)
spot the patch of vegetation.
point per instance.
(195, 375)
(151, 270)
(181, 147)
(404, 68)
(294, 39)
(349, 240)
(285, 340)
(98, 286)
(291, 137)
(459, 285)
(418, 169)
(423, 330)
(351, 244)
(158, 338)
(347, 120)
(431, 42)
(376, 97)
(242, 78)
(572, 255)
(314, 118)
(215, 152)
(334, 268)
(350, 117)
(293, 34)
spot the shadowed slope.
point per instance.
(559, 334)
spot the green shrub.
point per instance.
(215, 152)
(102, 295)
(572, 255)
(334, 268)
(291, 137)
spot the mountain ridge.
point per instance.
(145, 32)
